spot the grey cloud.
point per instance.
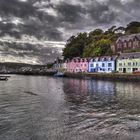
(126, 11)
(8, 29)
(16, 8)
(69, 13)
(69, 17)
(43, 25)
(41, 30)
(101, 13)
(44, 54)
(78, 15)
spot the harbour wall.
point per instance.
(105, 76)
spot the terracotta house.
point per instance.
(127, 43)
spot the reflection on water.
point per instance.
(40, 108)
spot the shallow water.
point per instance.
(46, 108)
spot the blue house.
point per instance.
(105, 64)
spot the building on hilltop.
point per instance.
(127, 43)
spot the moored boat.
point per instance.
(4, 78)
(59, 74)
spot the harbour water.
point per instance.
(47, 108)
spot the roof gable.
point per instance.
(128, 37)
(129, 55)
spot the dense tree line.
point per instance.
(97, 42)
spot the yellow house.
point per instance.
(128, 62)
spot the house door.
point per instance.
(124, 70)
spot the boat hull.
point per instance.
(59, 74)
(3, 78)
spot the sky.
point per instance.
(38, 29)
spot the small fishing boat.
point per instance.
(59, 74)
(4, 78)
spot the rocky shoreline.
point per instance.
(38, 71)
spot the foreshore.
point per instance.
(105, 76)
(51, 73)
(91, 76)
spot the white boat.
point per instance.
(59, 74)
(3, 78)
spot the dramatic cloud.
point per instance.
(52, 19)
(57, 20)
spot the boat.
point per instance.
(59, 74)
(4, 78)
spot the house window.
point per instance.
(129, 63)
(125, 44)
(109, 64)
(136, 44)
(92, 70)
(120, 64)
(103, 64)
(120, 69)
(133, 63)
(136, 63)
(81, 65)
(85, 65)
(130, 44)
(119, 45)
(96, 65)
(91, 65)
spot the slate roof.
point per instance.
(128, 37)
(104, 58)
(129, 55)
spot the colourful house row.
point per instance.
(124, 63)
(100, 64)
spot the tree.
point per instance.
(96, 32)
(97, 42)
(133, 27)
(49, 65)
(104, 45)
(75, 46)
(99, 48)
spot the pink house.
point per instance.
(84, 64)
(77, 65)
